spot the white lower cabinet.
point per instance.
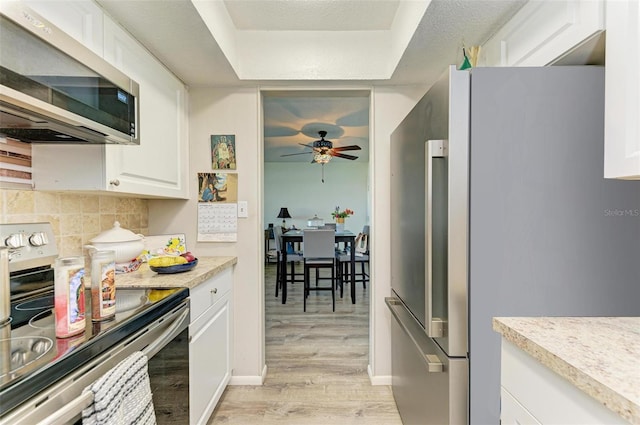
(533, 394)
(210, 345)
(512, 412)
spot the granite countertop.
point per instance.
(599, 355)
(144, 277)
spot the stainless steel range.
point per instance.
(41, 376)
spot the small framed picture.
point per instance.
(223, 152)
(218, 187)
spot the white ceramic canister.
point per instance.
(125, 243)
(69, 296)
(103, 285)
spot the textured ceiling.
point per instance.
(318, 15)
(177, 34)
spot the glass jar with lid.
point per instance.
(315, 222)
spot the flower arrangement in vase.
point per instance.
(339, 217)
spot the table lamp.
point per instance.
(284, 214)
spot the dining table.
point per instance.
(345, 236)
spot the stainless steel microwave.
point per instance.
(53, 89)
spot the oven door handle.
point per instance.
(178, 326)
(75, 407)
(69, 411)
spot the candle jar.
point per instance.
(103, 285)
(69, 296)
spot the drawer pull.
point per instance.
(433, 363)
(214, 291)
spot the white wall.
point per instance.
(237, 111)
(228, 111)
(389, 107)
(298, 186)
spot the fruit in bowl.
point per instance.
(167, 261)
(189, 256)
(172, 264)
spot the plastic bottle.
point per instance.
(69, 296)
(103, 285)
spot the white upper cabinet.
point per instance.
(622, 94)
(542, 32)
(81, 19)
(158, 167)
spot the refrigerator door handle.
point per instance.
(434, 149)
(432, 362)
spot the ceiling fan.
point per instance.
(323, 150)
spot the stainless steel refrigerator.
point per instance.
(499, 208)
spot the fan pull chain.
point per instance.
(322, 173)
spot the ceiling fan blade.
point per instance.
(347, 148)
(345, 156)
(299, 153)
(309, 145)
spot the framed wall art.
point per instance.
(223, 152)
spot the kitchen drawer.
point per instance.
(208, 292)
(547, 396)
(514, 413)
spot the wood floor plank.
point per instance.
(316, 366)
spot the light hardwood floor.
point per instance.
(317, 365)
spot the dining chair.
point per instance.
(319, 252)
(281, 268)
(361, 257)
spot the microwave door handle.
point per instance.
(434, 149)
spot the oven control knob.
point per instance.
(16, 240)
(38, 239)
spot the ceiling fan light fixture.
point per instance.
(322, 158)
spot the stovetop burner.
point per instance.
(23, 310)
(20, 352)
(38, 304)
(31, 357)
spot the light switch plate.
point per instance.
(243, 209)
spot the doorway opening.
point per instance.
(293, 179)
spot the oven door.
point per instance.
(164, 342)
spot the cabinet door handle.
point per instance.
(115, 182)
(214, 291)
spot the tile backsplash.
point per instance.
(76, 218)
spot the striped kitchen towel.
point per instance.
(122, 396)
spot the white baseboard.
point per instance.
(249, 379)
(259, 380)
(378, 380)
